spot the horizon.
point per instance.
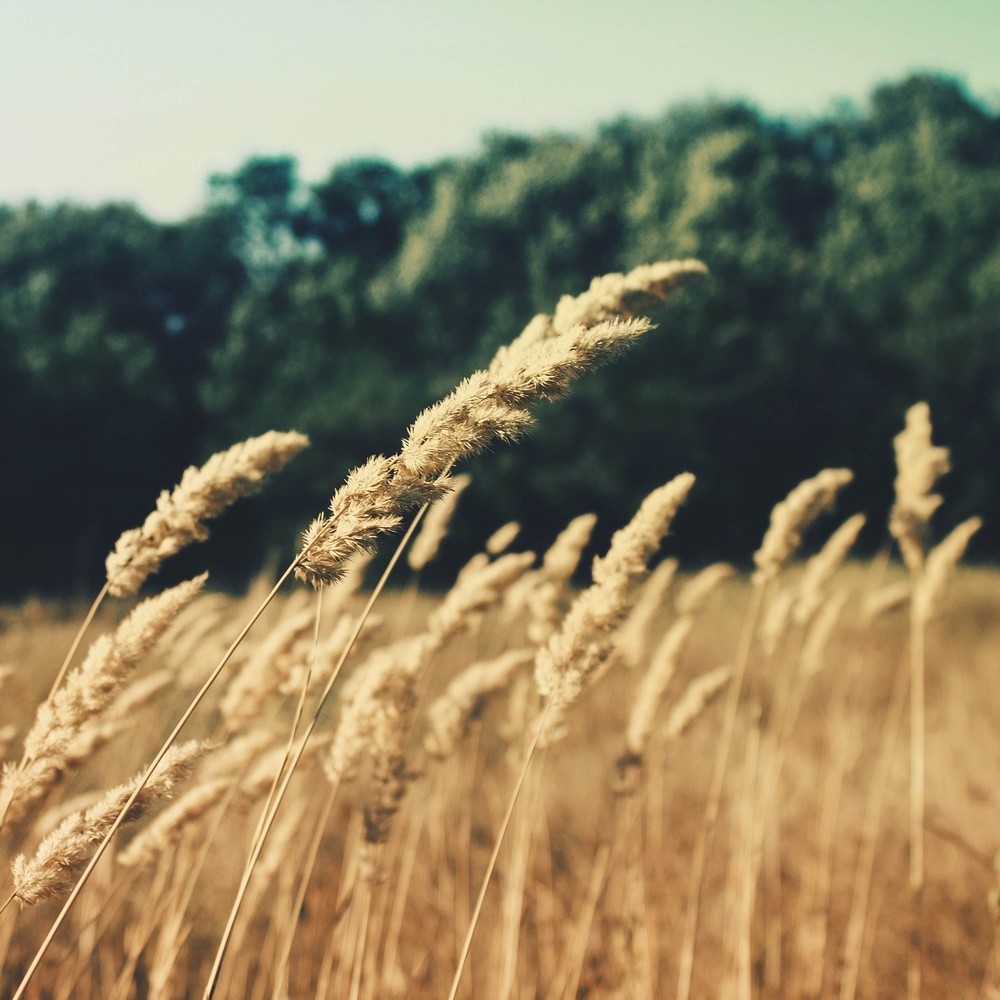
(138, 105)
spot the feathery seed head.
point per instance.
(585, 639)
(696, 591)
(449, 716)
(821, 568)
(435, 526)
(695, 699)
(630, 294)
(66, 724)
(941, 563)
(632, 639)
(64, 853)
(502, 538)
(792, 516)
(885, 600)
(661, 670)
(919, 465)
(202, 494)
(820, 632)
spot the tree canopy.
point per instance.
(855, 269)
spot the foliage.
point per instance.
(855, 269)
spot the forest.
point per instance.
(854, 265)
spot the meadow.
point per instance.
(563, 777)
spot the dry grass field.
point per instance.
(616, 784)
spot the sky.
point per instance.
(141, 101)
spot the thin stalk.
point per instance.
(401, 894)
(258, 833)
(189, 711)
(269, 814)
(630, 904)
(854, 937)
(300, 896)
(917, 768)
(478, 908)
(512, 907)
(75, 645)
(359, 953)
(567, 981)
(704, 842)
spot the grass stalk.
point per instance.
(78, 638)
(269, 814)
(917, 771)
(706, 833)
(258, 833)
(281, 977)
(161, 753)
(861, 895)
(498, 843)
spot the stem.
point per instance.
(861, 893)
(259, 832)
(704, 842)
(917, 767)
(281, 967)
(74, 646)
(79, 638)
(102, 847)
(477, 910)
(567, 983)
(269, 815)
(359, 954)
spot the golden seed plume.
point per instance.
(542, 592)
(919, 465)
(821, 568)
(817, 641)
(695, 593)
(52, 745)
(384, 683)
(202, 494)
(792, 516)
(655, 681)
(435, 525)
(632, 294)
(502, 538)
(267, 666)
(64, 853)
(586, 638)
(170, 826)
(777, 619)
(632, 639)
(885, 600)
(696, 698)
(941, 563)
(449, 716)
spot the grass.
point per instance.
(569, 888)
(803, 836)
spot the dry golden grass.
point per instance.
(706, 785)
(588, 893)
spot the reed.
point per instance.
(487, 803)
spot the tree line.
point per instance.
(855, 269)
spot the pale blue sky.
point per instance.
(141, 100)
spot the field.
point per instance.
(538, 783)
(556, 886)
